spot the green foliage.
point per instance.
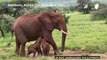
(67, 9)
(82, 3)
(100, 13)
(11, 12)
(6, 22)
(66, 18)
(39, 9)
(15, 11)
(101, 4)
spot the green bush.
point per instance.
(39, 9)
(66, 18)
(99, 14)
(81, 3)
(6, 22)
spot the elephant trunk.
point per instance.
(64, 33)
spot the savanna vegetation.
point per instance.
(83, 34)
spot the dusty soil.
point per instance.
(78, 53)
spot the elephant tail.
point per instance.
(9, 43)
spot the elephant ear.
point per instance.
(45, 19)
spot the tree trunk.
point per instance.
(2, 33)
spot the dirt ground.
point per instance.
(78, 53)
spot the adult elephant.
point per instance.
(31, 26)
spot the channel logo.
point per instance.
(5, 4)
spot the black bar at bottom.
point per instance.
(77, 57)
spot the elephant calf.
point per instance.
(45, 47)
(33, 48)
(36, 47)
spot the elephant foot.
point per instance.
(22, 54)
(56, 52)
(62, 50)
(17, 52)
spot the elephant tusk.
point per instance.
(64, 32)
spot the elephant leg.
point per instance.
(53, 44)
(34, 54)
(48, 37)
(39, 51)
(22, 50)
(17, 46)
(31, 50)
(46, 52)
(22, 39)
(28, 53)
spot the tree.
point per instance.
(82, 4)
(101, 12)
(84, 1)
(14, 10)
(9, 13)
(2, 33)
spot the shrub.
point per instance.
(6, 22)
(39, 9)
(99, 14)
(66, 18)
(81, 3)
